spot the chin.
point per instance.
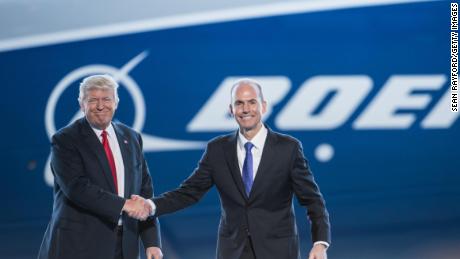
(101, 125)
(248, 127)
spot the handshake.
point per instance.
(137, 207)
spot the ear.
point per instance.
(230, 109)
(264, 107)
(117, 101)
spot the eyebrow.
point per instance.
(250, 100)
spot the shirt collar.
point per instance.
(110, 131)
(258, 140)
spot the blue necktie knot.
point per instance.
(248, 146)
(248, 168)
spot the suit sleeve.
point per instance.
(149, 230)
(69, 173)
(190, 191)
(309, 196)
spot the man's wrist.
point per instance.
(153, 208)
(323, 243)
(125, 205)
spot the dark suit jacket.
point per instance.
(267, 214)
(86, 209)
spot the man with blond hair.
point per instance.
(97, 165)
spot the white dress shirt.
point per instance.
(119, 166)
(259, 142)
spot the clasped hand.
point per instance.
(137, 207)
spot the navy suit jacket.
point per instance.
(267, 215)
(86, 208)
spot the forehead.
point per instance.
(245, 91)
(99, 92)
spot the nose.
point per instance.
(246, 108)
(100, 105)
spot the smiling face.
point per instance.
(99, 107)
(248, 107)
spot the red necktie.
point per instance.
(108, 152)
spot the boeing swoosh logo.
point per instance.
(151, 143)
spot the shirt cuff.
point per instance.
(152, 206)
(326, 244)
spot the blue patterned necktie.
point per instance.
(248, 168)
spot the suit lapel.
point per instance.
(127, 159)
(268, 156)
(232, 162)
(95, 146)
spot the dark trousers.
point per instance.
(119, 243)
(248, 251)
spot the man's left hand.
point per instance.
(153, 252)
(318, 251)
